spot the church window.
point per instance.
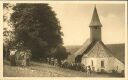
(96, 27)
(92, 62)
(102, 63)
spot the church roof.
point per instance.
(118, 50)
(88, 44)
(109, 50)
(95, 21)
(84, 47)
(80, 51)
(99, 50)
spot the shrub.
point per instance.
(74, 66)
(65, 65)
(22, 58)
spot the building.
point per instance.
(95, 53)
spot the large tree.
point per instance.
(7, 30)
(36, 28)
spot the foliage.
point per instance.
(36, 28)
(6, 6)
(61, 53)
(74, 66)
(8, 35)
(22, 58)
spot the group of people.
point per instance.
(52, 61)
(88, 70)
(20, 58)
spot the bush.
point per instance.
(22, 58)
(65, 65)
(74, 66)
(12, 60)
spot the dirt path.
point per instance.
(43, 70)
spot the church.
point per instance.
(95, 53)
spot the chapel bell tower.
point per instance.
(95, 27)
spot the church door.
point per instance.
(102, 64)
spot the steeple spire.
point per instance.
(95, 22)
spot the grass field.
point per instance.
(44, 70)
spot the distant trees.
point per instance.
(61, 54)
(37, 29)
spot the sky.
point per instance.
(75, 19)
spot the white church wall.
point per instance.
(110, 63)
(114, 64)
(119, 66)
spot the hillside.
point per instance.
(72, 49)
(45, 70)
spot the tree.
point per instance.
(36, 28)
(7, 31)
(60, 54)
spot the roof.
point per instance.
(99, 50)
(71, 58)
(81, 51)
(117, 50)
(107, 52)
(95, 21)
(83, 48)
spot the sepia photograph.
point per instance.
(64, 40)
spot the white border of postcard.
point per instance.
(65, 78)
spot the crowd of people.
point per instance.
(72, 66)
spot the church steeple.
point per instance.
(95, 27)
(95, 22)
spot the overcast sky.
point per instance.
(75, 20)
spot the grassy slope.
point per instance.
(44, 70)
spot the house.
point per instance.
(95, 53)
